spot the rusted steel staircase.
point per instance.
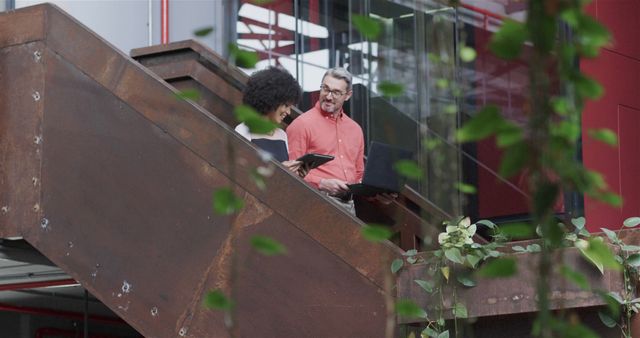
(110, 176)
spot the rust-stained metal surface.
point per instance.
(516, 294)
(21, 104)
(126, 175)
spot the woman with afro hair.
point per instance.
(272, 92)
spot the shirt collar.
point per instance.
(329, 115)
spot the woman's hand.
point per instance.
(294, 166)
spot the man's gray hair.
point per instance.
(340, 74)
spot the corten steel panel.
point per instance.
(305, 286)
(620, 77)
(21, 27)
(516, 294)
(21, 102)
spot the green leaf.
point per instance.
(560, 105)
(486, 122)
(188, 94)
(578, 222)
(396, 265)
(202, 32)
(243, 58)
(575, 277)
(411, 252)
(445, 272)
(566, 130)
(426, 285)
(616, 296)
(607, 320)
(508, 135)
(467, 54)
(268, 246)
(390, 89)
(514, 159)
(591, 36)
(225, 202)
(610, 198)
(634, 260)
(454, 255)
(604, 135)
(534, 248)
(444, 334)
(460, 311)
(442, 83)
(631, 222)
(409, 169)
(499, 268)
(407, 308)
(588, 88)
(600, 254)
(369, 28)
(487, 223)
(571, 16)
(613, 237)
(466, 188)
(450, 109)
(473, 260)
(507, 42)
(517, 230)
(612, 300)
(630, 248)
(466, 281)
(518, 248)
(256, 123)
(376, 233)
(429, 332)
(217, 300)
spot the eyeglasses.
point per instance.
(336, 93)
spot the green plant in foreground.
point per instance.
(609, 252)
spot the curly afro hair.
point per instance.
(270, 88)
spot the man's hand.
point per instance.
(384, 198)
(333, 186)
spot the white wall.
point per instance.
(124, 23)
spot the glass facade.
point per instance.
(418, 47)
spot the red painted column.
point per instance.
(164, 22)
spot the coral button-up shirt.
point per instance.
(318, 132)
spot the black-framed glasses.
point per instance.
(336, 93)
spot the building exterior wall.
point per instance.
(618, 70)
(125, 23)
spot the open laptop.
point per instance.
(379, 173)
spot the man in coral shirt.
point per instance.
(326, 129)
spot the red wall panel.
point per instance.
(618, 70)
(621, 17)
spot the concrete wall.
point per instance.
(124, 23)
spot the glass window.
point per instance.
(418, 48)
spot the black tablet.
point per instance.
(314, 160)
